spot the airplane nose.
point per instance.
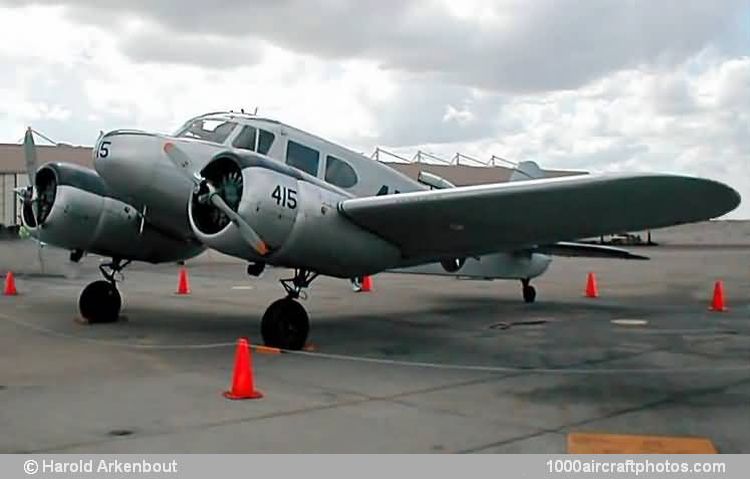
(125, 159)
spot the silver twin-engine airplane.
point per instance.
(271, 194)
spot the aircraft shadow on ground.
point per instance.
(410, 336)
(450, 329)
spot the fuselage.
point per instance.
(137, 170)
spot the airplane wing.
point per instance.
(507, 216)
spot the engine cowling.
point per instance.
(453, 265)
(73, 210)
(295, 215)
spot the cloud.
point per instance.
(84, 71)
(505, 46)
(418, 112)
(583, 86)
(694, 119)
(159, 46)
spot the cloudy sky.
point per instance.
(605, 85)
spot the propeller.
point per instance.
(26, 194)
(30, 195)
(183, 163)
(29, 153)
(40, 196)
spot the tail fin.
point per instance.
(526, 170)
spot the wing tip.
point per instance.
(725, 199)
(704, 198)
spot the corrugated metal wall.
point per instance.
(10, 205)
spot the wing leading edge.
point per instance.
(481, 219)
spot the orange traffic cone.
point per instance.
(243, 384)
(717, 303)
(10, 285)
(592, 291)
(183, 283)
(366, 284)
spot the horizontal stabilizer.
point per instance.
(434, 181)
(526, 170)
(584, 250)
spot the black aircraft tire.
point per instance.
(285, 325)
(529, 294)
(100, 302)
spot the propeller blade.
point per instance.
(30, 195)
(143, 220)
(29, 152)
(246, 231)
(182, 161)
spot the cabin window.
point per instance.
(265, 140)
(340, 173)
(246, 138)
(302, 157)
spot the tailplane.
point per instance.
(526, 170)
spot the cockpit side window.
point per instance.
(302, 157)
(340, 173)
(213, 130)
(265, 140)
(246, 138)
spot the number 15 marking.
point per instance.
(104, 149)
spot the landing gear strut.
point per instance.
(100, 301)
(285, 323)
(529, 293)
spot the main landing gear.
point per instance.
(285, 323)
(529, 293)
(100, 301)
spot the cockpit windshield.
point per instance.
(208, 129)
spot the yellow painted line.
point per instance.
(266, 350)
(594, 443)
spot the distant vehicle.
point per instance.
(626, 239)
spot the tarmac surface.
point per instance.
(500, 375)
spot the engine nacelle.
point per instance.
(453, 265)
(296, 216)
(72, 210)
